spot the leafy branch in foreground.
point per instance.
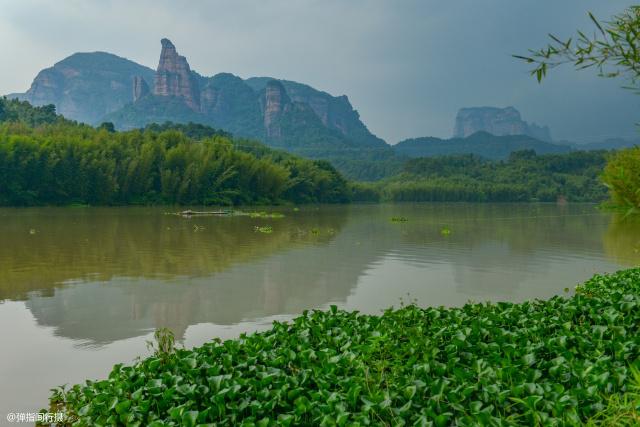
(613, 49)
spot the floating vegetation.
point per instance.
(445, 231)
(267, 229)
(265, 215)
(315, 231)
(398, 219)
(562, 361)
(262, 214)
(189, 213)
(296, 209)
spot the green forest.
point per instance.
(523, 177)
(48, 160)
(45, 159)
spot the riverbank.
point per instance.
(566, 360)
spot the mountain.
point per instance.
(607, 144)
(97, 87)
(480, 143)
(86, 86)
(497, 121)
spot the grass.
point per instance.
(564, 361)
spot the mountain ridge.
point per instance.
(142, 96)
(481, 143)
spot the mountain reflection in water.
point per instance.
(101, 275)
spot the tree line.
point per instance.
(523, 177)
(48, 160)
(45, 159)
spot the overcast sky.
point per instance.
(406, 65)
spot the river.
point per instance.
(84, 288)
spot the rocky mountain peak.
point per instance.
(175, 78)
(496, 121)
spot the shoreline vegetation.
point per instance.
(46, 160)
(569, 360)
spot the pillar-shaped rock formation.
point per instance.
(174, 77)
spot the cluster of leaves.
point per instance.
(559, 361)
(622, 176)
(613, 49)
(524, 177)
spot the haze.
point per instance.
(407, 67)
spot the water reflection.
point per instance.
(86, 286)
(104, 275)
(46, 248)
(622, 240)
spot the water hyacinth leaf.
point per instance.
(554, 362)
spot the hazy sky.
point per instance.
(406, 65)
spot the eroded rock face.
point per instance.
(496, 121)
(86, 86)
(174, 77)
(140, 88)
(276, 101)
(97, 87)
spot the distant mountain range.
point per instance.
(480, 143)
(101, 87)
(98, 87)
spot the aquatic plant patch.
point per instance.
(553, 362)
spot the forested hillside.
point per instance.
(523, 177)
(46, 159)
(61, 162)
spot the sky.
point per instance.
(407, 66)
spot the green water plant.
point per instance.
(563, 361)
(163, 345)
(265, 229)
(264, 214)
(398, 219)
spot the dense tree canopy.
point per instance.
(45, 159)
(524, 177)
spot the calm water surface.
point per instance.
(83, 289)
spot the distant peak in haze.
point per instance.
(497, 121)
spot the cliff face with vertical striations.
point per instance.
(175, 78)
(140, 88)
(96, 87)
(496, 121)
(276, 102)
